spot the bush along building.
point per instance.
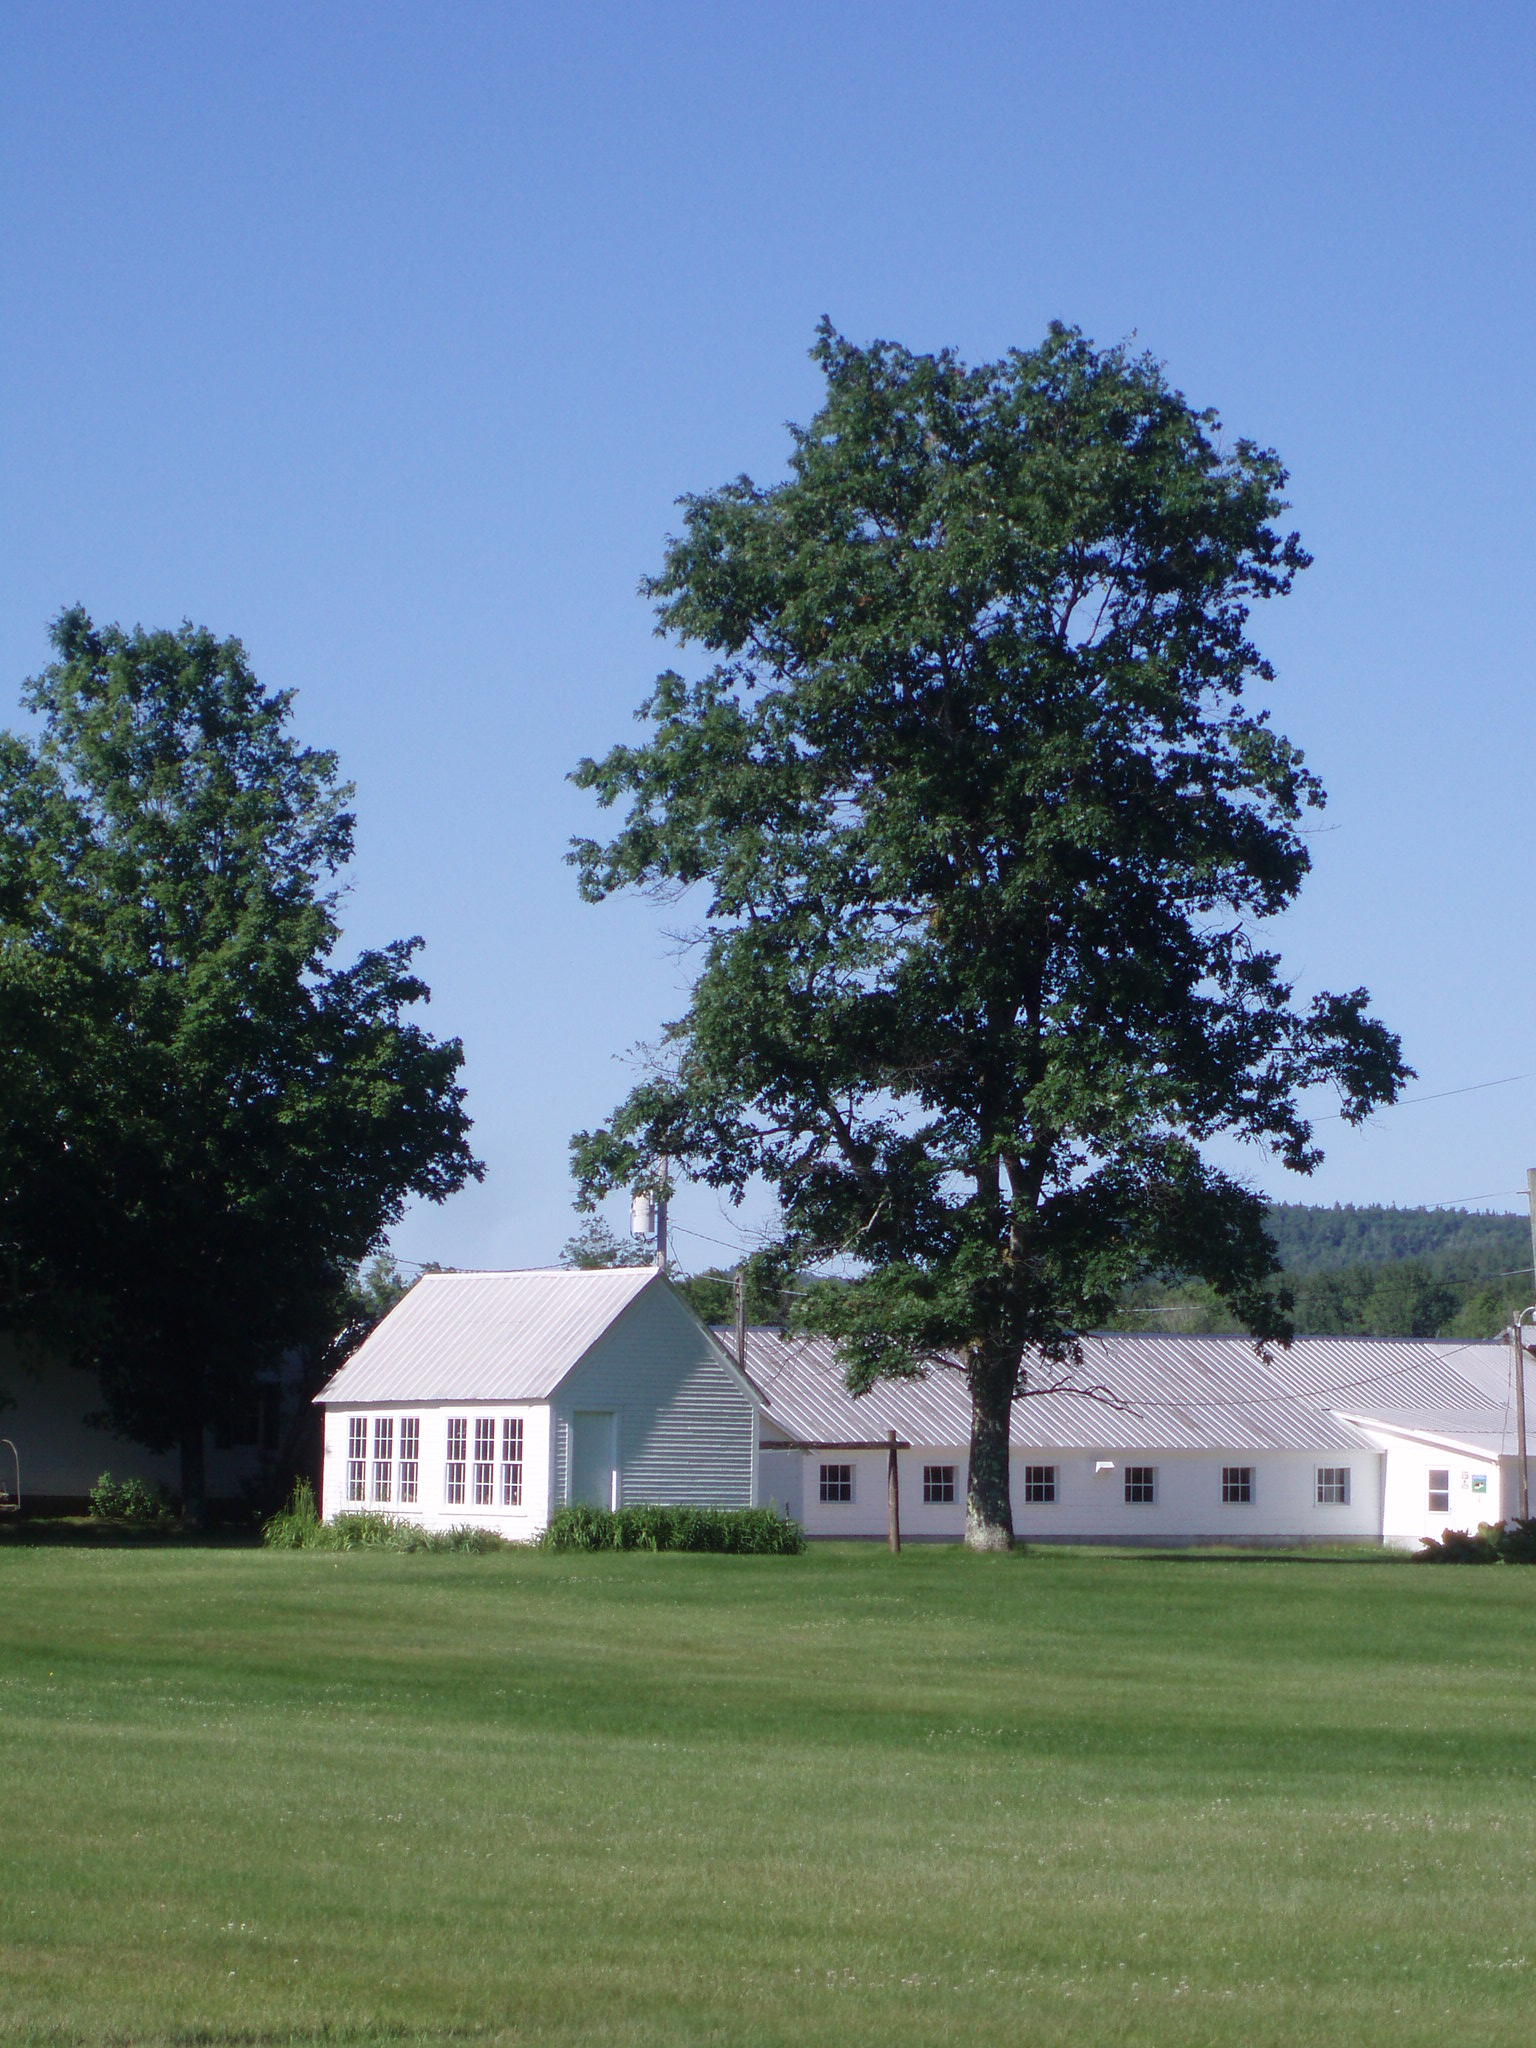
(491, 1399)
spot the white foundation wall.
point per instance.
(1090, 1504)
(432, 1509)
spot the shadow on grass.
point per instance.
(84, 1532)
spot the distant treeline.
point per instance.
(1372, 1272)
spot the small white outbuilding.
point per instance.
(491, 1399)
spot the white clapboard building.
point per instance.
(493, 1398)
(1181, 1440)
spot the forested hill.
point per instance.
(1452, 1242)
(1374, 1272)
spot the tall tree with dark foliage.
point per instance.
(982, 830)
(208, 1123)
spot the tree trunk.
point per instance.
(988, 1506)
(194, 1485)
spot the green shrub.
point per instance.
(132, 1502)
(739, 1532)
(293, 1527)
(299, 1527)
(1494, 1543)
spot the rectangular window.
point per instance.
(410, 1457)
(1039, 1485)
(383, 1456)
(1440, 1493)
(512, 1461)
(357, 1457)
(1333, 1486)
(453, 1471)
(938, 1485)
(837, 1482)
(1141, 1485)
(485, 1460)
(1237, 1486)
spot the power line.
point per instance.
(1409, 1101)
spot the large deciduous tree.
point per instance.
(984, 828)
(207, 1122)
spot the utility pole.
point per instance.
(739, 1290)
(1524, 1466)
(892, 1498)
(661, 1220)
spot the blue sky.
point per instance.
(386, 337)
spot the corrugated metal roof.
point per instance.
(1165, 1393)
(485, 1336)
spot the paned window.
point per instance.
(453, 1471)
(1039, 1485)
(1141, 1485)
(938, 1485)
(1333, 1486)
(383, 1456)
(357, 1457)
(485, 1460)
(1439, 1493)
(512, 1461)
(410, 1457)
(1237, 1485)
(837, 1482)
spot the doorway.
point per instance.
(594, 1457)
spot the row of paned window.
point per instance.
(482, 1480)
(1040, 1485)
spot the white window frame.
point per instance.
(1143, 1479)
(383, 1458)
(410, 1460)
(1238, 1486)
(1333, 1486)
(456, 1461)
(512, 1461)
(1040, 1490)
(837, 1499)
(939, 1486)
(1439, 1496)
(483, 1465)
(357, 1459)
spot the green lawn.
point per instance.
(1060, 1797)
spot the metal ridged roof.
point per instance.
(1168, 1393)
(485, 1336)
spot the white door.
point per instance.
(594, 1457)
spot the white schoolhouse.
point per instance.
(493, 1398)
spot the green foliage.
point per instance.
(712, 1295)
(737, 1532)
(1493, 1543)
(132, 1502)
(299, 1527)
(1450, 1243)
(596, 1245)
(205, 1123)
(985, 833)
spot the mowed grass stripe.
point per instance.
(1064, 1796)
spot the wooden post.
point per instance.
(1522, 1464)
(739, 1304)
(892, 1498)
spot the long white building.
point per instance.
(493, 1398)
